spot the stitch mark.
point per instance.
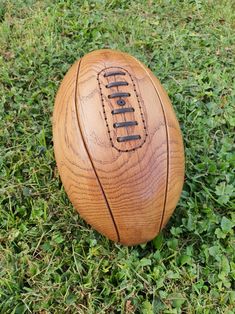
(123, 124)
(106, 74)
(115, 84)
(122, 110)
(128, 138)
(115, 95)
(136, 139)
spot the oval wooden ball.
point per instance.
(123, 170)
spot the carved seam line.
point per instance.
(168, 152)
(89, 156)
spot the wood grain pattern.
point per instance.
(74, 165)
(125, 190)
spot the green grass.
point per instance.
(50, 260)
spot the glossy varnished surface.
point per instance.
(127, 190)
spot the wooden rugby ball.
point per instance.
(118, 146)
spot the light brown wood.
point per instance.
(127, 190)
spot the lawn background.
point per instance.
(50, 260)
